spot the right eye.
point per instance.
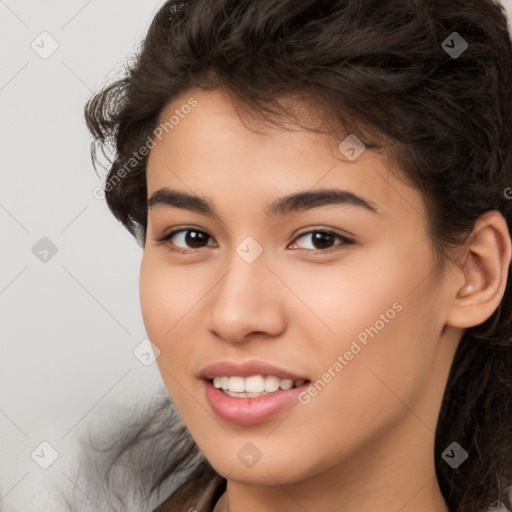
(189, 238)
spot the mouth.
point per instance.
(250, 392)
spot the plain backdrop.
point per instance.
(70, 318)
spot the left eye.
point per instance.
(324, 240)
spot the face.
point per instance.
(338, 290)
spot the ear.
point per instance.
(480, 282)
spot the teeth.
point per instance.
(236, 384)
(286, 384)
(253, 386)
(245, 395)
(272, 383)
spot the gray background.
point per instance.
(70, 324)
(70, 320)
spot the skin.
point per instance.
(366, 441)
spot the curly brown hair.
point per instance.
(381, 69)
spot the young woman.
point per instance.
(323, 193)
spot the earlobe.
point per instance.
(485, 269)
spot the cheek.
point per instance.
(152, 298)
(346, 298)
(167, 295)
(165, 300)
(382, 316)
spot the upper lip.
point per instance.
(246, 369)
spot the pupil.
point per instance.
(193, 238)
(323, 239)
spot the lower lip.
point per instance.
(248, 411)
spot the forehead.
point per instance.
(211, 151)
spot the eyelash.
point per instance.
(337, 247)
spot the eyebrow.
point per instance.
(298, 201)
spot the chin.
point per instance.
(269, 470)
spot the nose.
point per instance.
(248, 302)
